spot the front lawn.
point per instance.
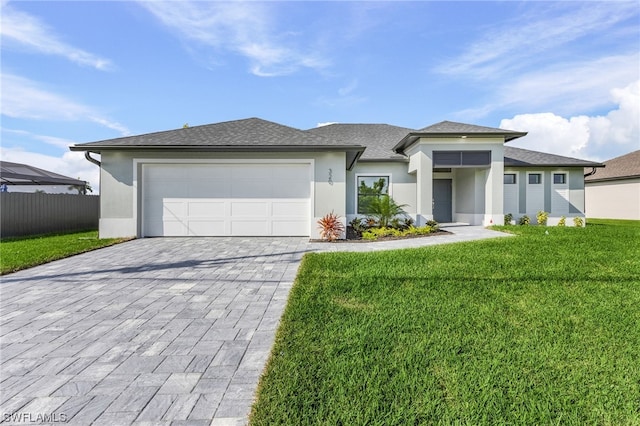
(534, 329)
(25, 252)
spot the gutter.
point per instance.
(87, 155)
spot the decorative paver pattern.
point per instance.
(152, 331)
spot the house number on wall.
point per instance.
(330, 180)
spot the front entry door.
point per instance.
(442, 200)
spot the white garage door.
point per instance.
(255, 199)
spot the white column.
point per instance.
(494, 189)
(424, 187)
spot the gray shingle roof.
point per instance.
(624, 167)
(238, 133)
(382, 141)
(23, 174)
(378, 138)
(453, 128)
(518, 157)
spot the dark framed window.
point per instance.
(559, 178)
(509, 178)
(370, 187)
(535, 178)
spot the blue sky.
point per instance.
(80, 71)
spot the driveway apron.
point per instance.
(153, 331)
(171, 330)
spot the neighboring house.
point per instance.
(614, 192)
(16, 177)
(254, 177)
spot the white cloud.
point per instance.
(535, 35)
(569, 87)
(327, 123)
(26, 30)
(51, 140)
(594, 137)
(242, 28)
(23, 98)
(71, 164)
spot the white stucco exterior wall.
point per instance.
(486, 180)
(121, 186)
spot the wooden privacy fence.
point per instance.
(38, 213)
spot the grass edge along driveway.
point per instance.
(25, 252)
(538, 329)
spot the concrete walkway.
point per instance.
(152, 331)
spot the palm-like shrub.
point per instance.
(331, 227)
(384, 209)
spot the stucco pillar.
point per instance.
(494, 190)
(424, 187)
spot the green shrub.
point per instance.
(542, 217)
(384, 209)
(562, 221)
(578, 221)
(508, 218)
(358, 225)
(368, 235)
(424, 230)
(432, 223)
(524, 220)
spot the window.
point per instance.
(535, 179)
(509, 178)
(559, 178)
(370, 187)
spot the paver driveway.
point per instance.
(153, 330)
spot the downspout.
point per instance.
(592, 172)
(88, 156)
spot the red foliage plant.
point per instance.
(331, 227)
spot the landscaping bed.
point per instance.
(352, 236)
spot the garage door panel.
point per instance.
(289, 227)
(174, 208)
(174, 228)
(249, 208)
(293, 209)
(226, 199)
(206, 209)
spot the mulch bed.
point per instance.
(354, 237)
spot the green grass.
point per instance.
(615, 222)
(25, 252)
(535, 329)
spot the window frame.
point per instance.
(369, 175)
(564, 178)
(539, 180)
(515, 179)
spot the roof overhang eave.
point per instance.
(414, 136)
(218, 148)
(554, 165)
